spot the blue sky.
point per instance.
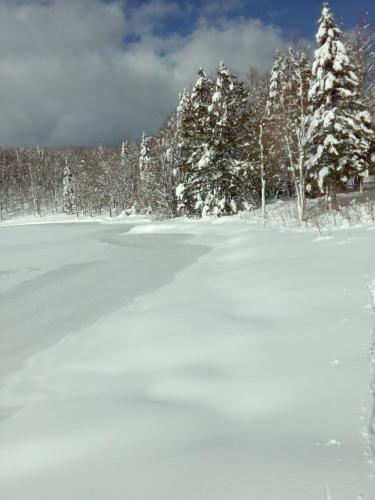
(294, 17)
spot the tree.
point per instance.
(124, 180)
(361, 48)
(360, 42)
(149, 173)
(168, 157)
(193, 135)
(262, 177)
(223, 159)
(68, 189)
(144, 171)
(338, 133)
(275, 120)
(287, 108)
(184, 121)
(216, 173)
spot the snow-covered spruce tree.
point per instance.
(194, 134)
(287, 109)
(338, 134)
(68, 189)
(218, 170)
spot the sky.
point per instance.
(95, 72)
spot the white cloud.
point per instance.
(66, 75)
(152, 14)
(240, 43)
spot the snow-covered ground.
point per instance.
(189, 360)
(56, 280)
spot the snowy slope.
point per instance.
(246, 377)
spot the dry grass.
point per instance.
(352, 209)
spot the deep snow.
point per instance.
(57, 280)
(238, 371)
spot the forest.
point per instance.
(303, 130)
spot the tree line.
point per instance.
(305, 130)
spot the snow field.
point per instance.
(245, 377)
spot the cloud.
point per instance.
(151, 15)
(241, 43)
(70, 73)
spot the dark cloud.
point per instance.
(68, 77)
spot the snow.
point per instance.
(212, 359)
(323, 174)
(216, 96)
(328, 118)
(56, 267)
(330, 81)
(180, 190)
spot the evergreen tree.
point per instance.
(217, 175)
(338, 135)
(194, 134)
(68, 189)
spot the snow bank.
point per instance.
(62, 218)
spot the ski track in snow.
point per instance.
(235, 373)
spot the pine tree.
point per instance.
(68, 189)
(217, 173)
(194, 134)
(338, 134)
